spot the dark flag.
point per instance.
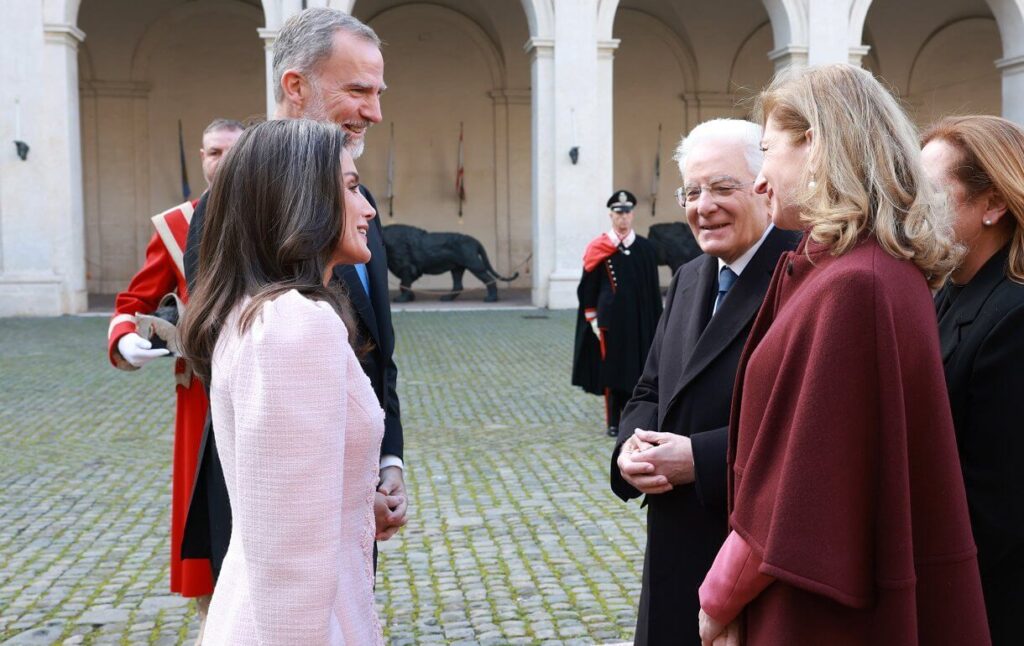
(186, 191)
(657, 174)
(390, 194)
(460, 176)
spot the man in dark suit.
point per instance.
(328, 67)
(674, 430)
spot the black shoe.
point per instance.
(613, 431)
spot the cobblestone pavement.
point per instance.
(513, 535)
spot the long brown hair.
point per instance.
(864, 171)
(273, 219)
(991, 153)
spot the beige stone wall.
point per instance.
(143, 66)
(446, 65)
(938, 55)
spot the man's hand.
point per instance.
(636, 470)
(595, 328)
(391, 503)
(138, 351)
(671, 455)
(713, 633)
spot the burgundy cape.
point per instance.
(844, 471)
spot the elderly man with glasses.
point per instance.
(674, 431)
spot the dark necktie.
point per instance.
(726, 278)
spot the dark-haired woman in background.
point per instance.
(298, 424)
(980, 161)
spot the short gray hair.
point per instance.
(746, 133)
(307, 39)
(223, 124)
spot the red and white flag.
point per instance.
(460, 176)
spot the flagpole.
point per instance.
(657, 174)
(186, 190)
(460, 177)
(391, 173)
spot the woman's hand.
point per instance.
(713, 633)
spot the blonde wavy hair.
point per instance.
(991, 153)
(864, 171)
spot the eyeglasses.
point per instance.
(718, 192)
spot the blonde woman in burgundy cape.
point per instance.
(848, 514)
(298, 425)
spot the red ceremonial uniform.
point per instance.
(162, 273)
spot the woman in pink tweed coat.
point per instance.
(298, 425)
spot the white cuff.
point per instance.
(391, 461)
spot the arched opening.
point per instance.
(445, 67)
(939, 57)
(144, 67)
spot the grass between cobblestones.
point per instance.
(513, 538)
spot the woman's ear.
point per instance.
(809, 136)
(995, 207)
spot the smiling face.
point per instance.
(782, 174)
(352, 247)
(346, 88)
(727, 218)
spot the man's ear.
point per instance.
(295, 88)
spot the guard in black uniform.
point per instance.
(620, 303)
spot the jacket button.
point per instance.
(789, 269)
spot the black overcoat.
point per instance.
(624, 290)
(686, 388)
(981, 331)
(208, 526)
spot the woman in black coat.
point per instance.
(980, 160)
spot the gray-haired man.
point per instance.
(327, 66)
(674, 430)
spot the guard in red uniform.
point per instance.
(620, 303)
(163, 274)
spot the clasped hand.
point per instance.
(390, 503)
(654, 463)
(713, 633)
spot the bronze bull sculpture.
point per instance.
(413, 252)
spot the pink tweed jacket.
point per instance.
(298, 431)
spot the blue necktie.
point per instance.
(726, 278)
(364, 278)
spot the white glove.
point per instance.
(138, 351)
(595, 328)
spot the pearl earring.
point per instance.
(812, 184)
(987, 222)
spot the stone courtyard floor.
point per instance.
(513, 538)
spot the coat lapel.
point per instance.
(738, 310)
(700, 292)
(965, 308)
(359, 298)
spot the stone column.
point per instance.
(542, 74)
(42, 229)
(792, 54)
(269, 37)
(1012, 70)
(64, 176)
(582, 115)
(834, 32)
